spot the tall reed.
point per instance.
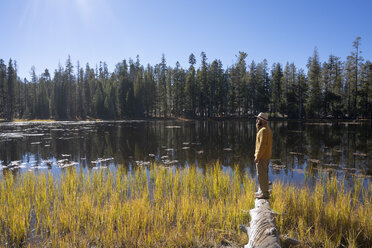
(167, 207)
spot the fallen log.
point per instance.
(262, 232)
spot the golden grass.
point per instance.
(161, 207)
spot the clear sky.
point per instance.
(44, 32)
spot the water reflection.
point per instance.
(299, 150)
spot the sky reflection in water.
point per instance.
(299, 150)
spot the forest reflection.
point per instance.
(300, 150)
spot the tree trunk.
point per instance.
(262, 232)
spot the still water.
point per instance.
(301, 152)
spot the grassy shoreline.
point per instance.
(162, 207)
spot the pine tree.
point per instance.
(79, 92)
(263, 87)
(290, 96)
(365, 92)
(3, 70)
(179, 86)
(139, 94)
(358, 60)
(110, 99)
(99, 101)
(353, 64)
(11, 79)
(276, 87)
(301, 92)
(232, 92)
(150, 91)
(216, 80)
(169, 92)
(325, 86)
(123, 85)
(243, 92)
(59, 94)
(249, 83)
(42, 98)
(130, 102)
(17, 93)
(314, 102)
(162, 86)
(69, 89)
(190, 88)
(202, 84)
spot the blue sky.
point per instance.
(44, 32)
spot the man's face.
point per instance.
(260, 122)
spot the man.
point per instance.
(262, 155)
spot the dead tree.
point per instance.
(262, 232)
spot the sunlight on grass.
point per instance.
(167, 207)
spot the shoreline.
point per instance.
(273, 119)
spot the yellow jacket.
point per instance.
(264, 143)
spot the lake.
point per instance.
(301, 151)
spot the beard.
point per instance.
(259, 125)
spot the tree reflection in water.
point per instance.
(300, 150)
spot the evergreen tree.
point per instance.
(262, 87)
(232, 91)
(302, 90)
(150, 91)
(365, 92)
(178, 92)
(11, 79)
(59, 94)
(169, 92)
(250, 89)
(123, 78)
(130, 102)
(79, 92)
(353, 64)
(26, 112)
(284, 108)
(290, 96)
(139, 94)
(325, 85)
(99, 101)
(42, 108)
(191, 88)
(216, 80)
(202, 84)
(335, 93)
(110, 99)
(162, 86)
(244, 89)
(33, 94)
(358, 60)
(2, 88)
(276, 88)
(69, 89)
(314, 102)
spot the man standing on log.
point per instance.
(262, 155)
